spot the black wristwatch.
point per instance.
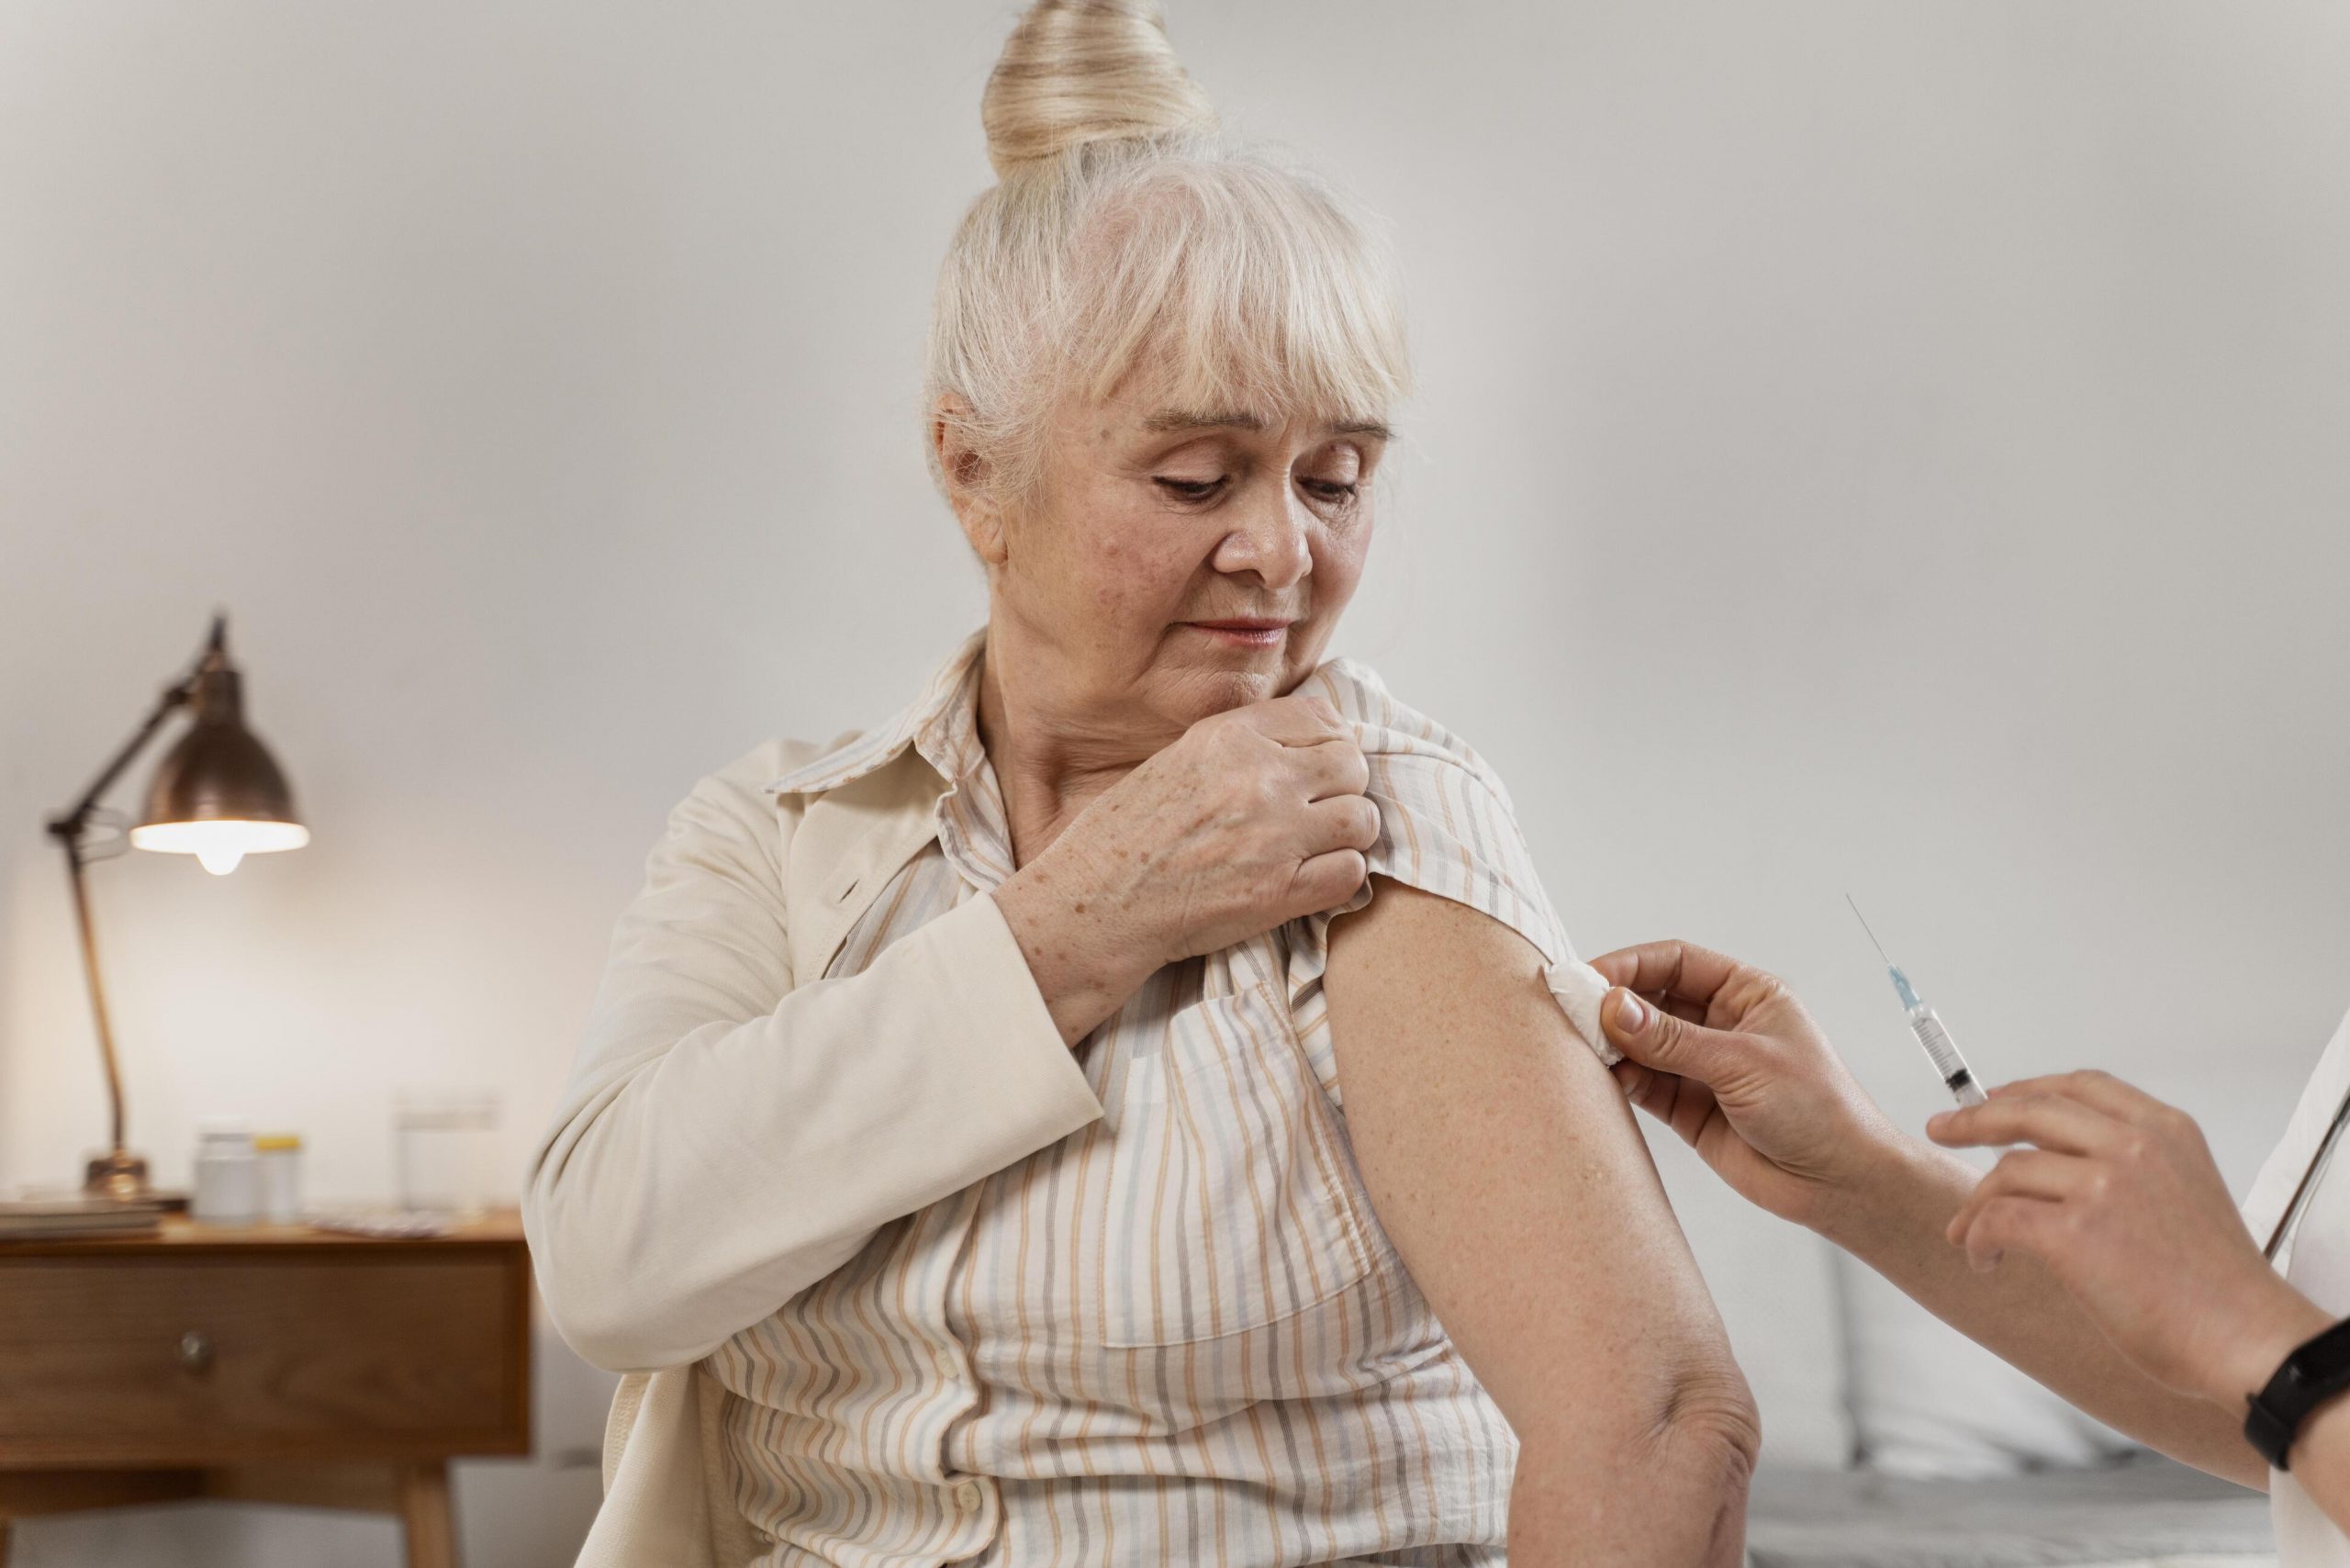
(2309, 1377)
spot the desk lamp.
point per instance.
(216, 795)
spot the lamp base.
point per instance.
(121, 1177)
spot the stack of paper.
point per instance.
(21, 1218)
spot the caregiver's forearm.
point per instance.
(1895, 1224)
(2319, 1453)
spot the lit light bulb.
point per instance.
(220, 844)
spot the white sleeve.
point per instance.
(2263, 1203)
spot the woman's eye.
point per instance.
(1190, 489)
(1330, 489)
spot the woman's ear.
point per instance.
(970, 480)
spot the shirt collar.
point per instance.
(941, 725)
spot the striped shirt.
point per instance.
(1179, 1334)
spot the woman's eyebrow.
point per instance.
(1184, 419)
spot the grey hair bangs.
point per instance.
(1222, 281)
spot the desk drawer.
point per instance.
(201, 1357)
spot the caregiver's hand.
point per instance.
(2118, 1197)
(1723, 1054)
(1256, 817)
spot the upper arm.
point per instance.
(704, 939)
(1502, 1161)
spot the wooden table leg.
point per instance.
(426, 1516)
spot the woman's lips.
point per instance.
(1244, 633)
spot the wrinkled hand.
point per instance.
(1723, 1054)
(1255, 817)
(2117, 1197)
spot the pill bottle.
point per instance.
(228, 1175)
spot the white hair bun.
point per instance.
(1080, 71)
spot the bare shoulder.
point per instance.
(1409, 937)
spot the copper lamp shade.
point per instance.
(218, 794)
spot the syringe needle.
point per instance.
(1865, 927)
(1924, 1023)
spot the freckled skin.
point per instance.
(1090, 668)
(1165, 798)
(1497, 1150)
(1504, 1165)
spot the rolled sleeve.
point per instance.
(1447, 827)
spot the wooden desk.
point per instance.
(270, 1363)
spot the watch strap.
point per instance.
(2312, 1374)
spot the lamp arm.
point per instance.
(176, 696)
(124, 1169)
(69, 824)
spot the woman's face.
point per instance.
(1180, 561)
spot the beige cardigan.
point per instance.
(693, 1178)
(731, 1135)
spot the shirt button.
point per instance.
(968, 1496)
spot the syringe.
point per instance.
(1923, 1023)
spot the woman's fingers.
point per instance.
(1325, 880)
(2142, 1231)
(2025, 1173)
(1342, 821)
(1688, 1011)
(1643, 1086)
(1331, 768)
(1297, 719)
(1673, 1044)
(2100, 1092)
(2030, 1225)
(1678, 1102)
(1664, 1002)
(1681, 970)
(2050, 1121)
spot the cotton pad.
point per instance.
(1580, 990)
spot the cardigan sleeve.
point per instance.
(729, 1136)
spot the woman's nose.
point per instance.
(1270, 542)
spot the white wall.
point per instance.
(1884, 447)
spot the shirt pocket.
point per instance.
(1234, 1203)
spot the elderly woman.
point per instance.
(958, 1142)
